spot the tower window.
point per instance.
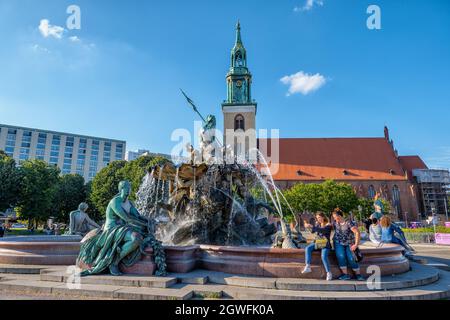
(239, 60)
(239, 123)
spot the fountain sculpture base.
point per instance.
(269, 262)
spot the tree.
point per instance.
(304, 197)
(10, 182)
(37, 191)
(69, 192)
(337, 195)
(104, 185)
(324, 197)
(134, 171)
(94, 213)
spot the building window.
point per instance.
(69, 141)
(10, 142)
(371, 192)
(396, 198)
(25, 146)
(239, 122)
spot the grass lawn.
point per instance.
(22, 232)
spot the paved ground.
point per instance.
(434, 254)
(4, 295)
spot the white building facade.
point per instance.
(72, 153)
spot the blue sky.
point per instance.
(120, 76)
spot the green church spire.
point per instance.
(238, 35)
(239, 77)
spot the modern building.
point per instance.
(72, 153)
(133, 155)
(370, 165)
(434, 185)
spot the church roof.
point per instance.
(409, 163)
(315, 159)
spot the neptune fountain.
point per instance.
(202, 213)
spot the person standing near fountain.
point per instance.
(346, 241)
(121, 240)
(322, 243)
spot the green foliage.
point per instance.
(94, 213)
(10, 182)
(439, 229)
(69, 192)
(367, 207)
(104, 185)
(23, 232)
(337, 195)
(304, 197)
(37, 191)
(134, 171)
(321, 197)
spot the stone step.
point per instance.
(419, 276)
(21, 269)
(441, 266)
(96, 290)
(181, 291)
(434, 291)
(124, 281)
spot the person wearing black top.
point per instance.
(322, 242)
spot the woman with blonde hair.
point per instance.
(388, 230)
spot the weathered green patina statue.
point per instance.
(121, 240)
(80, 222)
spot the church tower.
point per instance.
(239, 110)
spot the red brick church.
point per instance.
(370, 165)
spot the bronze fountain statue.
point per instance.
(121, 240)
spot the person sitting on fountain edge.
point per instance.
(346, 240)
(322, 242)
(120, 240)
(388, 231)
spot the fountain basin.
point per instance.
(288, 263)
(39, 250)
(271, 262)
(252, 261)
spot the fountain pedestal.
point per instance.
(39, 250)
(145, 267)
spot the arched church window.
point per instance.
(239, 122)
(396, 198)
(371, 192)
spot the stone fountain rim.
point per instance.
(39, 240)
(388, 247)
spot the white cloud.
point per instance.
(303, 83)
(38, 48)
(48, 30)
(309, 4)
(74, 39)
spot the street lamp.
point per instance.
(433, 220)
(360, 212)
